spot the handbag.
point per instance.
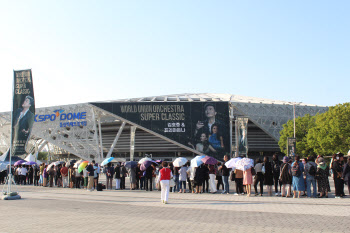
(171, 182)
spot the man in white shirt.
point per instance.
(23, 173)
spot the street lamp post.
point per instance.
(294, 117)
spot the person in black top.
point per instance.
(199, 178)
(109, 176)
(117, 176)
(30, 174)
(276, 170)
(346, 174)
(148, 178)
(225, 175)
(90, 169)
(206, 179)
(337, 168)
(123, 173)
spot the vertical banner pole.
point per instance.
(100, 134)
(294, 117)
(231, 118)
(236, 137)
(132, 142)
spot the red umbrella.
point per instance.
(209, 160)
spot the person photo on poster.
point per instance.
(203, 146)
(210, 131)
(205, 126)
(215, 139)
(23, 121)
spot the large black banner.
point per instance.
(23, 111)
(203, 126)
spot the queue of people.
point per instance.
(290, 177)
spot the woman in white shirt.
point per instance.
(182, 179)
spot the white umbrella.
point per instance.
(244, 164)
(77, 163)
(179, 162)
(59, 162)
(232, 162)
(197, 161)
(50, 165)
(145, 159)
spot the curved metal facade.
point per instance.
(266, 118)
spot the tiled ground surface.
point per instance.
(71, 210)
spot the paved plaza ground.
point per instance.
(77, 210)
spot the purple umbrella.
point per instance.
(209, 160)
(158, 161)
(19, 162)
(30, 163)
(146, 164)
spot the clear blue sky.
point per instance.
(83, 51)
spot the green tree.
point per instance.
(331, 133)
(42, 155)
(302, 127)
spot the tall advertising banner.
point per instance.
(202, 126)
(241, 135)
(23, 111)
(291, 146)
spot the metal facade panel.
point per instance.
(271, 117)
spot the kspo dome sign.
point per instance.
(61, 116)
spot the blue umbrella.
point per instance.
(130, 164)
(106, 161)
(197, 161)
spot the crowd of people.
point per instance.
(290, 177)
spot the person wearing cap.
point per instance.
(322, 174)
(286, 177)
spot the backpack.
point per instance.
(312, 171)
(295, 169)
(276, 167)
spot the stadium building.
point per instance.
(160, 126)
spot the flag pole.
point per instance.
(9, 180)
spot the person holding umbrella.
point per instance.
(183, 178)
(164, 177)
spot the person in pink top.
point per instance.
(164, 177)
(248, 180)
